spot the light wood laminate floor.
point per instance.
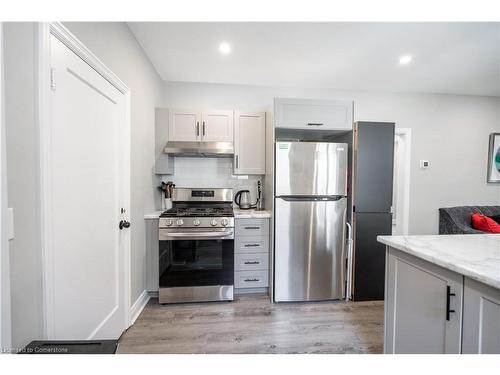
(251, 324)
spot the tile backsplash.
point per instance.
(194, 172)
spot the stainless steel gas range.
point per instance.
(197, 247)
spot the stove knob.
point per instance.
(213, 222)
(224, 222)
(169, 222)
(196, 222)
(180, 222)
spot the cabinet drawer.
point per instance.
(252, 227)
(251, 261)
(251, 279)
(251, 244)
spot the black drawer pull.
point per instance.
(251, 280)
(253, 262)
(252, 227)
(252, 245)
(315, 124)
(448, 295)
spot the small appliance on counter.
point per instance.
(243, 199)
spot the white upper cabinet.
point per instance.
(250, 143)
(313, 114)
(196, 126)
(164, 164)
(217, 126)
(184, 125)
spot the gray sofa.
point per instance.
(457, 220)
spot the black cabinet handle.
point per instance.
(314, 124)
(252, 245)
(448, 296)
(203, 128)
(197, 129)
(252, 262)
(252, 227)
(251, 280)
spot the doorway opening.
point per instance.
(401, 181)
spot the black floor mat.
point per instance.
(71, 347)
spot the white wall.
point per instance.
(448, 130)
(211, 173)
(114, 44)
(23, 182)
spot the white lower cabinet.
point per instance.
(423, 306)
(481, 331)
(152, 255)
(251, 255)
(251, 279)
(429, 309)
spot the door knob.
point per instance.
(124, 224)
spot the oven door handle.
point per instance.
(194, 235)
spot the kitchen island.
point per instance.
(442, 294)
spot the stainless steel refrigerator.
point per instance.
(310, 221)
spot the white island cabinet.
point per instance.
(481, 318)
(442, 294)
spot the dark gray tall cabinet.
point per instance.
(373, 159)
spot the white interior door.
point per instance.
(5, 321)
(87, 187)
(401, 182)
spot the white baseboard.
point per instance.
(138, 306)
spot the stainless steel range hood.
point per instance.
(214, 149)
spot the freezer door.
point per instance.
(309, 168)
(309, 250)
(374, 161)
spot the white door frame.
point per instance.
(404, 186)
(45, 30)
(5, 321)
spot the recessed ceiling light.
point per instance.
(224, 48)
(406, 59)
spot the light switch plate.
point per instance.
(11, 234)
(424, 164)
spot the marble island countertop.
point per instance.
(476, 256)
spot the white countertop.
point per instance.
(473, 255)
(153, 215)
(251, 214)
(238, 214)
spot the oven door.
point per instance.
(196, 257)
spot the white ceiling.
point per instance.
(455, 58)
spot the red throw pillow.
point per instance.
(485, 224)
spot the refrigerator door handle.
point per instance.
(349, 265)
(308, 198)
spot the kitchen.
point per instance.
(258, 216)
